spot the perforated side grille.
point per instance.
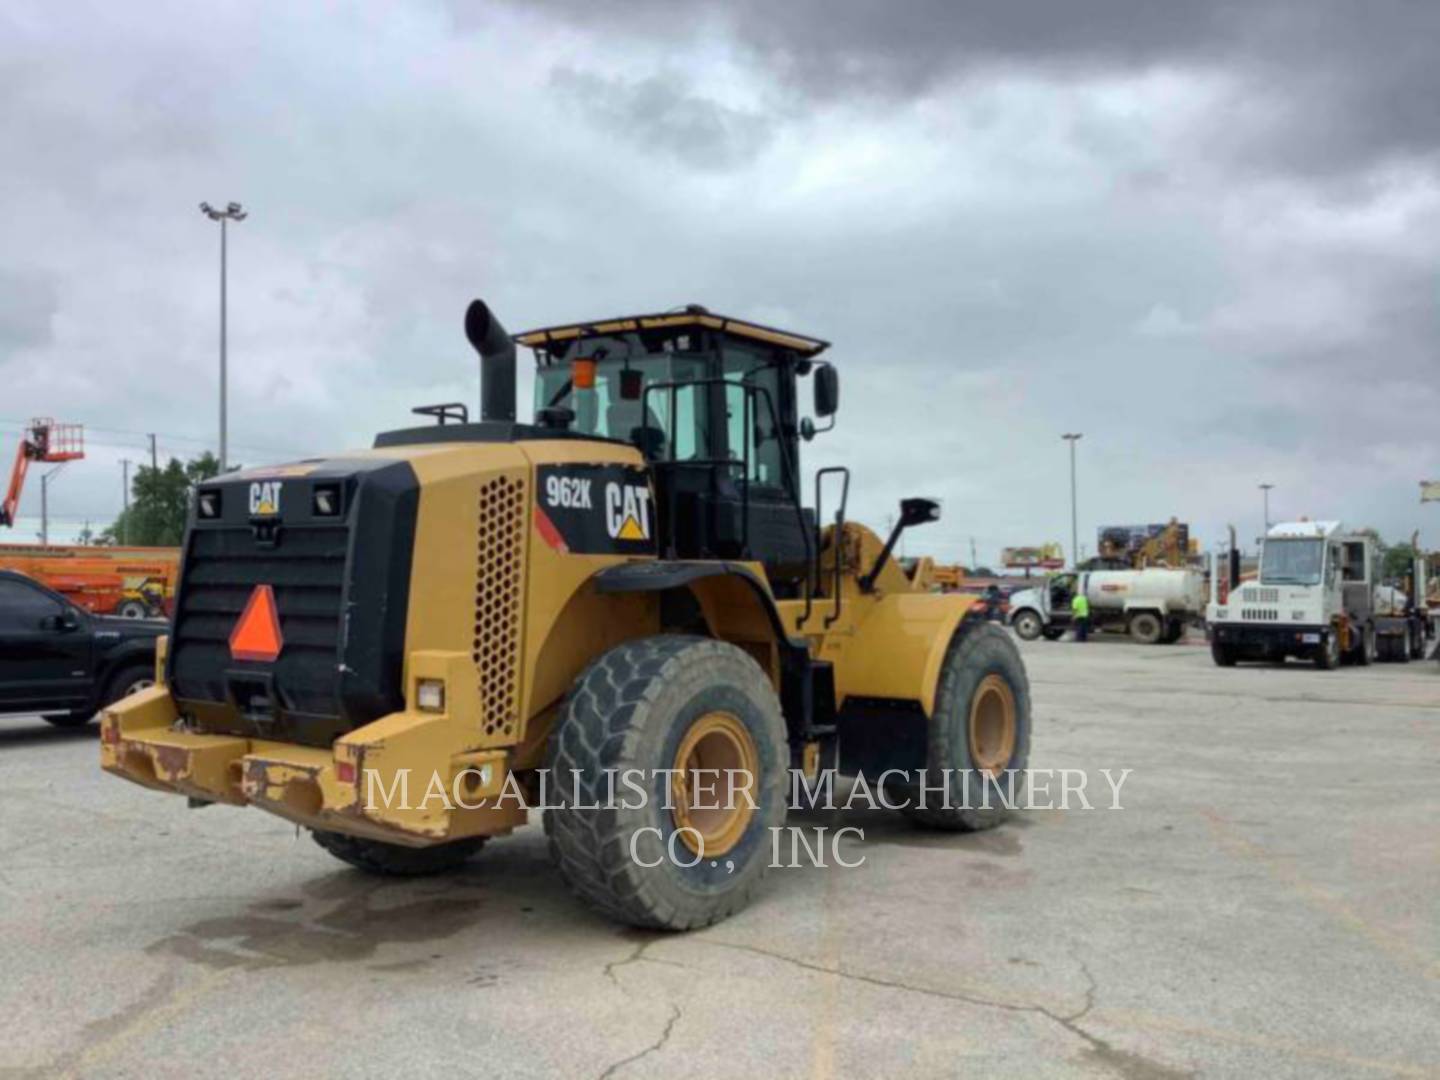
(497, 602)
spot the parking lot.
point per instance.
(1265, 904)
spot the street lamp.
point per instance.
(1072, 438)
(232, 212)
(1265, 488)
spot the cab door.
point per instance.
(44, 649)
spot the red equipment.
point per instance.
(43, 440)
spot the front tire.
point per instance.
(397, 860)
(1327, 657)
(1028, 626)
(1223, 655)
(667, 708)
(980, 732)
(1146, 628)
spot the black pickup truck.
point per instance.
(65, 663)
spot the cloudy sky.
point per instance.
(1205, 235)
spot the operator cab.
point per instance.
(712, 403)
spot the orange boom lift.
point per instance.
(43, 440)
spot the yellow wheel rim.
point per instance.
(715, 785)
(992, 724)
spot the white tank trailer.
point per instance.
(1153, 606)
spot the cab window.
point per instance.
(761, 443)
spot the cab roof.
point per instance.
(694, 315)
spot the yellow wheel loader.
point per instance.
(623, 612)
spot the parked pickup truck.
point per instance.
(63, 662)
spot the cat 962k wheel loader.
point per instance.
(623, 610)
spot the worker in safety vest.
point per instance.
(1080, 613)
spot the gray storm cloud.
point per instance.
(1203, 234)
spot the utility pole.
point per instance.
(1072, 437)
(232, 212)
(154, 457)
(974, 562)
(125, 519)
(1265, 489)
(45, 479)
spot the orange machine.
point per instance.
(137, 582)
(43, 440)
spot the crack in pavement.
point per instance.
(1125, 1064)
(657, 1045)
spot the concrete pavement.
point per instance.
(1266, 903)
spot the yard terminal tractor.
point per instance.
(1319, 598)
(631, 582)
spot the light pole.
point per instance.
(125, 520)
(1072, 437)
(45, 479)
(232, 212)
(1265, 489)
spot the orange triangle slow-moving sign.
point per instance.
(257, 632)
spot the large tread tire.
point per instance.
(397, 860)
(630, 710)
(975, 654)
(1147, 628)
(1223, 655)
(1052, 634)
(1028, 625)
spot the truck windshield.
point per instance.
(604, 409)
(1292, 562)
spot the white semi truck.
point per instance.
(1317, 597)
(1153, 605)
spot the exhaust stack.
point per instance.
(497, 361)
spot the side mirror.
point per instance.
(827, 390)
(62, 623)
(918, 512)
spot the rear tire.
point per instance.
(397, 860)
(1223, 655)
(128, 680)
(1051, 634)
(1327, 657)
(1146, 628)
(670, 702)
(132, 609)
(980, 731)
(1367, 651)
(1028, 626)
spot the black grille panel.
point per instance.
(306, 570)
(341, 587)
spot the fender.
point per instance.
(661, 576)
(738, 606)
(902, 644)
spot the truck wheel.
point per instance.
(1146, 627)
(980, 733)
(397, 860)
(1365, 654)
(1327, 656)
(1223, 655)
(127, 681)
(1028, 625)
(1404, 649)
(1052, 634)
(672, 709)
